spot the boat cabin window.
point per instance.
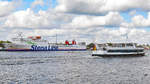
(121, 44)
(125, 50)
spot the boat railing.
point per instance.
(120, 47)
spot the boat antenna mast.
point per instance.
(126, 35)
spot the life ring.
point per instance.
(104, 48)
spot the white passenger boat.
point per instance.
(118, 49)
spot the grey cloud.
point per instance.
(100, 6)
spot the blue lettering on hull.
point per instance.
(44, 48)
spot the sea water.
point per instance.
(72, 68)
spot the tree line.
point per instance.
(2, 43)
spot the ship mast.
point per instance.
(20, 35)
(56, 38)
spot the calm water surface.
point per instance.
(72, 68)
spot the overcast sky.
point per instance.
(83, 20)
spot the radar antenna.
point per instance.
(20, 35)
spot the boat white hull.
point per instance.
(137, 54)
(17, 47)
(103, 53)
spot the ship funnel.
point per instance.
(73, 42)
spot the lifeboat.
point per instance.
(34, 37)
(38, 37)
